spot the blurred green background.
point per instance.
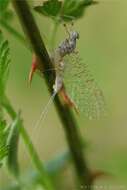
(103, 45)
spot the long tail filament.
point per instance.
(43, 113)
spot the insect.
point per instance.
(74, 81)
(80, 91)
(67, 47)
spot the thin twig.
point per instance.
(69, 123)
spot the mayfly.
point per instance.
(80, 90)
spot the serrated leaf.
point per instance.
(64, 11)
(74, 9)
(4, 65)
(50, 8)
(3, 142)
(12, 142)
(3, 5)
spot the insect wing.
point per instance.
(82, 88)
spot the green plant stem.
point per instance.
(14, 32)
(67, 118)
(32, 151)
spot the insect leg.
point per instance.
(68, 100)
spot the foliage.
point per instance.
(64, 11)
(6, 15)
(5, 12)
(3, 141)
(8, 138)
(12, 142)
(4, 64)
(9, 144)
(50, 8)
(3, 5)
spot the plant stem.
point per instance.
(32, 151)
(13, 32)
(37, 162)
(69, 123)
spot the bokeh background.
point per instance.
(103, 44)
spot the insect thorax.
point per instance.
(69, 44)
(65, 48)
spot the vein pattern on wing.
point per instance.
(82, 88)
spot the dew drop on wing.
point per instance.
(82, 88)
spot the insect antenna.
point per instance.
(67, 30)
(70, 28)
(43, 114)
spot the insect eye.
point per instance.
(76, 35)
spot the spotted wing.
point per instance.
(82, 88)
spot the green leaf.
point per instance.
(49, 8)
(8, 138)
(4, 65)
(3, 141)
(74, 9)
(6, 14)
(12, 142)
(67, 10)
(3, 5)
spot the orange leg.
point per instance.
(68, 100)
